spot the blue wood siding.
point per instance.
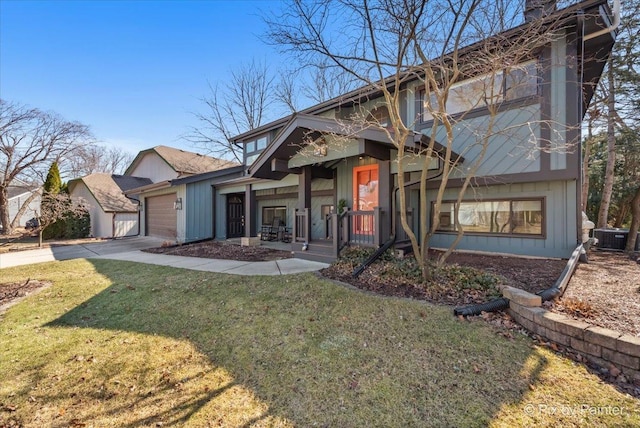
(199, 211)
(512, 146)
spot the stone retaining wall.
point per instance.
(600, 345)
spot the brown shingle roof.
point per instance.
(109, 193)
(184, 162)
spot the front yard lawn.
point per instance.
(123, 344)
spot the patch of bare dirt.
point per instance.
(223, 250)
(11, 292)
(604, 292)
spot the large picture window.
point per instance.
(501, 217)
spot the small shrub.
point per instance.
(77, 225)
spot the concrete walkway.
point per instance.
(128, 249)
(235, 267)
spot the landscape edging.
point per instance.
(601, 346)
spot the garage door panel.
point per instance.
(161, 217)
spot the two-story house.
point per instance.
(328, 182)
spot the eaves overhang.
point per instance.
(301, 129)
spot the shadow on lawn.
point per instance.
(310, 352)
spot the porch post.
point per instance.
(304, 197)
(250, 212)
(385, 190)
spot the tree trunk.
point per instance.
(635, 222)
(4, 211)
(603, 214)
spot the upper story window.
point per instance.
(482, 91)
(252, 149)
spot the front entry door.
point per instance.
(235, 216)
(365, 197)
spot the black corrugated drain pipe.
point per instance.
(491, 306)
(549, 294)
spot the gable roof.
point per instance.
(182, 161)
(109, 190)
(287, 142)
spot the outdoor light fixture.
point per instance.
(177, 205)
(320, 148)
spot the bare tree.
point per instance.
(231, 109)
(93, 158)
(30, 140)
(385, 45)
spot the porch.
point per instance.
(349, 228)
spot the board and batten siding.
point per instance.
(560, 220)
(199, 211)
(511, 148)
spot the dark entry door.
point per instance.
(235, 216)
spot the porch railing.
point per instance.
(361, 228)
(301, 225)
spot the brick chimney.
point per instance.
(535, 9)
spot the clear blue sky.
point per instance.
(131, 70)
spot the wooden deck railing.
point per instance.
(356, 228)
(301, 232)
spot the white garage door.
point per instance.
(125, 224)
(161, 217)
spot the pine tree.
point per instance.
(48, 212)
(53, 183)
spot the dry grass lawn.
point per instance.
(125, 344)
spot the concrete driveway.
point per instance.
(78, 251)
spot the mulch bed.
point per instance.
(529, 274)
(223, 250)
(605, 292)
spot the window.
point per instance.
(269, 213)
(261, 143)
(253, 149)
(521, 81)
(502, 217)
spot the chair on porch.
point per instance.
(269, 232)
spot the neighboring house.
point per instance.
(170, 201)
(113, 215)
(525, 199)
(20, 193)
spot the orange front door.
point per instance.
(365, 197)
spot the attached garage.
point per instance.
(125, 224)
(161, 217)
